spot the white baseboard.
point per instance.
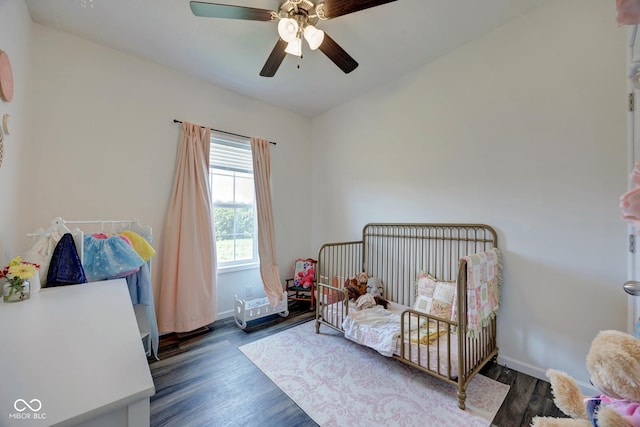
(224, 315)
(540, 373)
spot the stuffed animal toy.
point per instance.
(614, 364)
(304, 273)
(305, 278)
(374, 286)
(356, 285)
(357, 290)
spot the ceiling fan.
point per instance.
(297, 19)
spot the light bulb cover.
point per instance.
(287, 29)
(294, 47)
(313, 36)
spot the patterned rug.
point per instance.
(340, 383)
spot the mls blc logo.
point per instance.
(21, 405)
(27, 410)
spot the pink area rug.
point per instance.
(340, 383)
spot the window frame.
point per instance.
(236, 144)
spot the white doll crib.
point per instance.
(258, 308)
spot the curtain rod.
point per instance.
(222, 131)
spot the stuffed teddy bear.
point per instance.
(356, 285)
(374, 286)
(613, 362)
(358, 290)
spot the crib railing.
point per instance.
(336, 263)
(339, 261)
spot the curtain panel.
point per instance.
(266, 235)
(187, 296)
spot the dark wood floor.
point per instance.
(203, 379)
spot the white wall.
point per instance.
(523, 129)
(15, 26)
(103, 144)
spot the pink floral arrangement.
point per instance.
(630, 201)
(628, 12)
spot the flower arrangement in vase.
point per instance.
(16, 279)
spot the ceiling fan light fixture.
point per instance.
(288, 29)
(294, 47)
(313, 36)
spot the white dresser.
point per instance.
(72, 355)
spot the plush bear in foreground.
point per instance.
(614, 364)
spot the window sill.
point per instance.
(236, 268)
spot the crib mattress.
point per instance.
(440, 356)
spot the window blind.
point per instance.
(230, 155)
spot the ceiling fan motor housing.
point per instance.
(302, 11)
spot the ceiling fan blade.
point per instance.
(275, 59)
(335, 8)
(214, 10)
(337, 54)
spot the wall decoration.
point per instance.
(6, 77)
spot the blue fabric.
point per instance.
(140, 291)
(109, 258)
(593, 405)
(140, 286)
(65, 267)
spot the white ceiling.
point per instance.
(388, 41)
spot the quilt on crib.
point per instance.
(374, 327)
(380, 329)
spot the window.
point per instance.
(233, 196)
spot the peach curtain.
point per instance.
(187, 298)
(266, 235)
